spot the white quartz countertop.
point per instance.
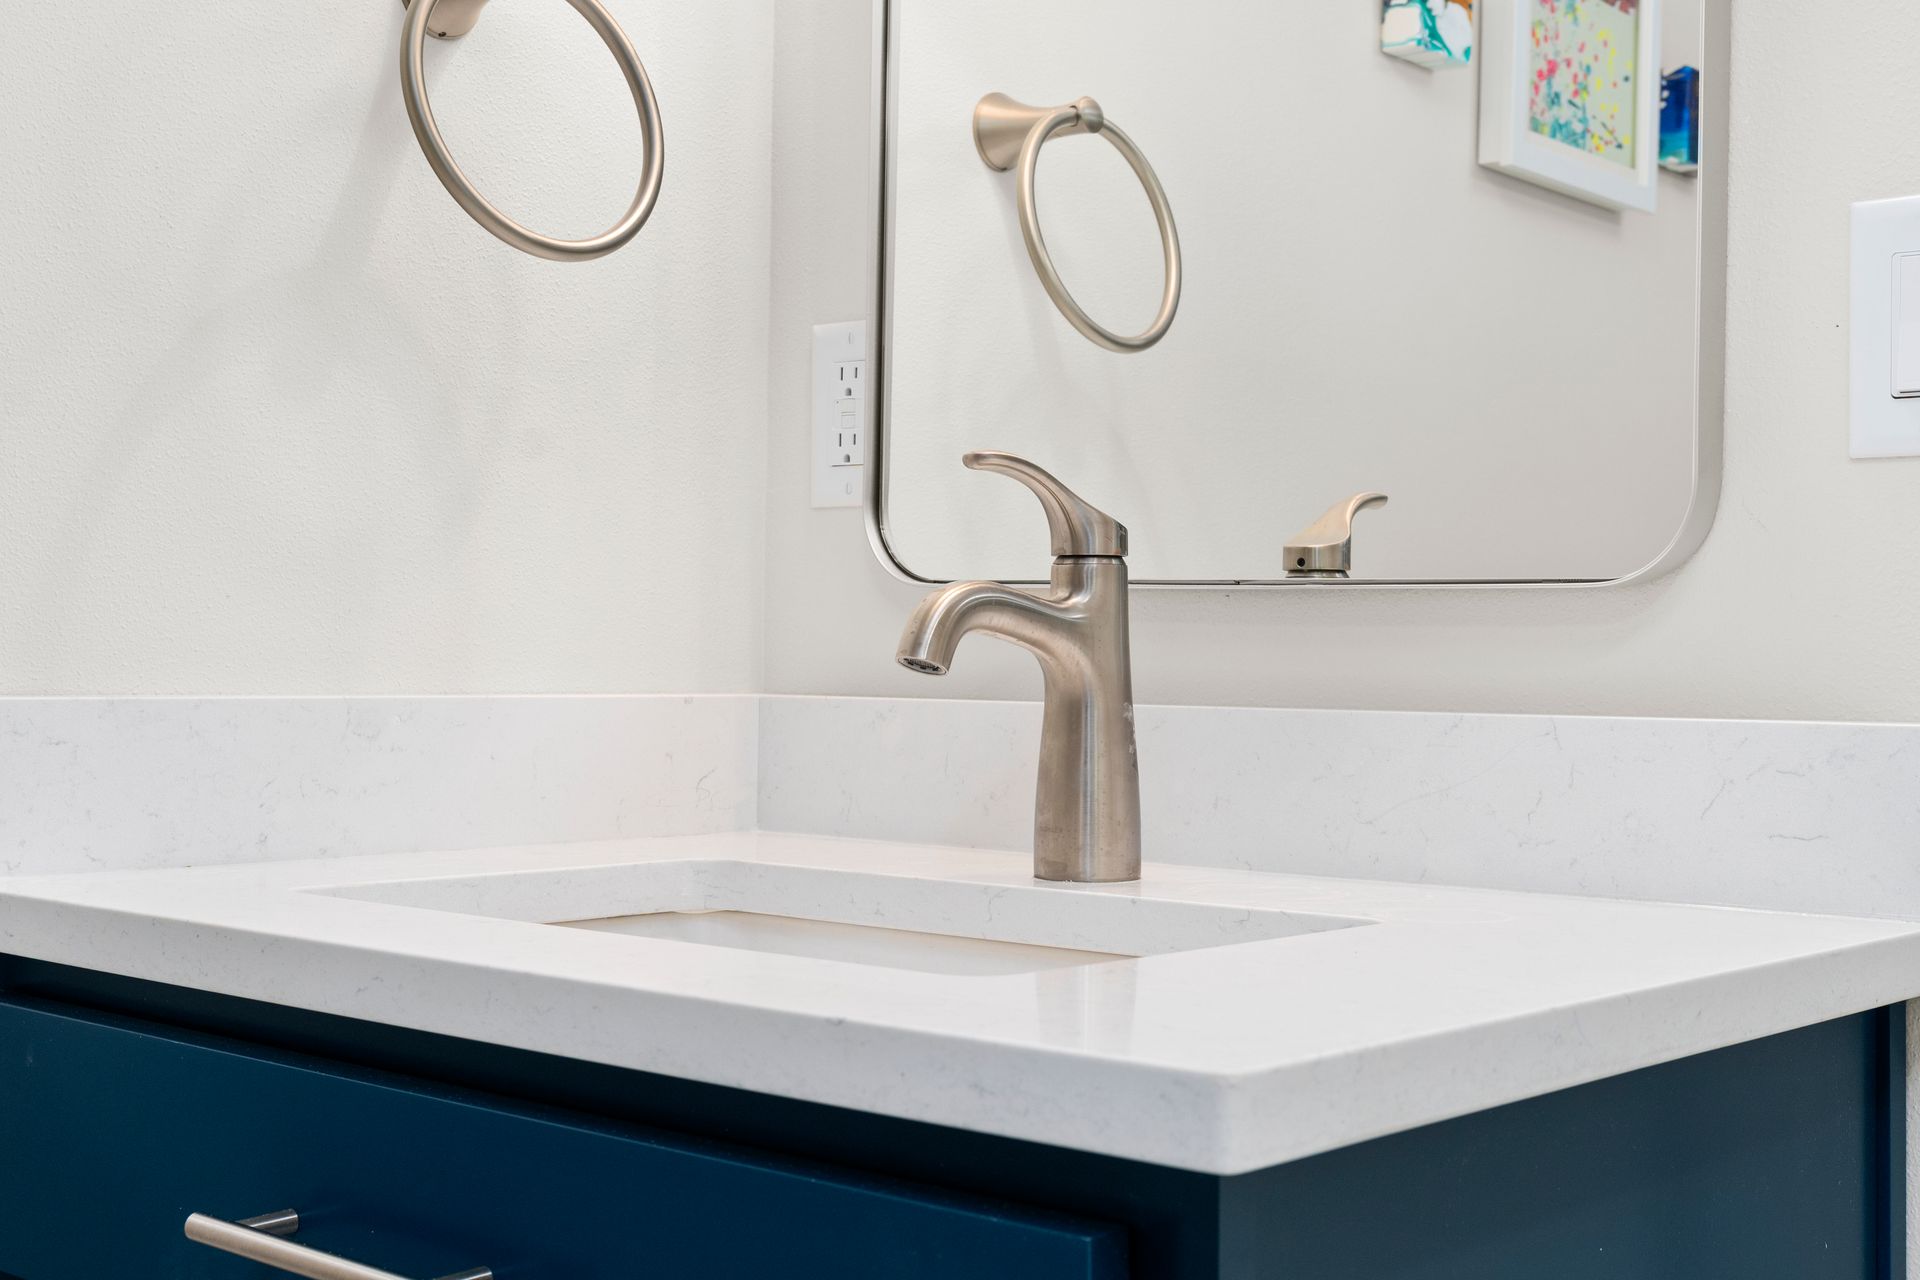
(1433, 1002)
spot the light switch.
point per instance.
(1884, 364)
(1906, 325)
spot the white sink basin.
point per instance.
(892, 921)
(848, 943)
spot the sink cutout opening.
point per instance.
(847, 943)
(894, 921)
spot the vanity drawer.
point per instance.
(113, 1131)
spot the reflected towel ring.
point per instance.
(448, 19)
(1009, 133)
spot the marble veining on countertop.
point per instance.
(1436, 1002)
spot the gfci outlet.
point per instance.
(840, 413)
(1885, 342)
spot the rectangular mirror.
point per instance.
(1471, 285)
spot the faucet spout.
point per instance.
(935, 629)
(1087, 801)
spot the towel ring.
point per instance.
(450, 19)
(1007, 133)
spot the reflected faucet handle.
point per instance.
(1079, 528)
(1324, 549)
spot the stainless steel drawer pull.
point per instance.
(264, 1239)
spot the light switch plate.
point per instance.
(841, 412)
(1886, 415)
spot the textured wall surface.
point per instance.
(1804, 603)
(280, 418)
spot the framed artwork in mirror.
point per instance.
(1570, 97)
(1434, 34)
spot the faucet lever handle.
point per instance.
(1324, 549)
(1079, 528)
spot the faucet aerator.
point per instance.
(924, 667)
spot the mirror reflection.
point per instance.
(1445, 256)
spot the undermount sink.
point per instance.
(951, 927)
(849, 943)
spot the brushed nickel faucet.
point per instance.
(1324, 549)
(1086, 821)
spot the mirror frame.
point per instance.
(1710, 309)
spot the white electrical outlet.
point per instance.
(840, 413)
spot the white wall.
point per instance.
(1804, 603)
(280, 418)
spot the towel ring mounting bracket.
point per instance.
(451, 19)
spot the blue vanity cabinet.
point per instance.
(125, 1106)
(112, 1132)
